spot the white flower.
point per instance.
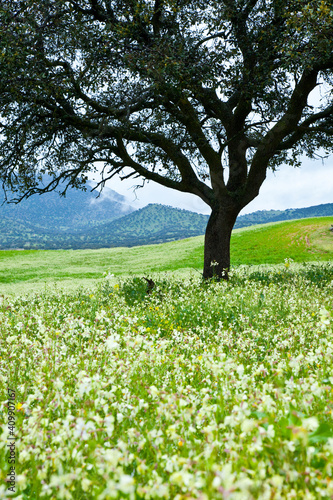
(310, 424)
(85, 483)
(154, 391)
(58, 384)
(324, 317)
(112, 342)
(181, 478)
(109, 424)
(244, 483)
(84, 387)
(270, 431)
(290, 445)
(24, 456)
(277, 481)
(248, 425)
(216, 482)
(126, 484)
(230, 420)
(21, 481)
(120, 417)
(82, 428)
(240, 370)
(112, 457)
(228, 476)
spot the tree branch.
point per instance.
(271, 142)
(304, 128)
(189, 183)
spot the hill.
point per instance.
(264, 216)
(82, 221)
(51, 221)
(303, 240)
(151, 224)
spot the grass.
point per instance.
(194, 391)
(302, 240)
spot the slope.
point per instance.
(264, 216)
(303, 240)
(151, 224)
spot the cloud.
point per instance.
(289, 187)
(111, 195)
(312, 184)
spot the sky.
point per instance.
(311, 184)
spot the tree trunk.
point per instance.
(217, 242)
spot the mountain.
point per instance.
(76, 212)
(152, 224)
(82, 221)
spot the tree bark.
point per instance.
(217, 242)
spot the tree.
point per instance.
(202, 97)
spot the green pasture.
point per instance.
(301, 240)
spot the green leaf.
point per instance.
(322, 433)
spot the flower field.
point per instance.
(193, 391)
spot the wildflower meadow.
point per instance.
(195, 390)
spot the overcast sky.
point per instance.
(312, 184)
(289, 187)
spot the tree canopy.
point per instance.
(202, 97)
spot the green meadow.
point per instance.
(302, 240)
(196, 390)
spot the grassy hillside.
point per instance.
(81, 222)
(151, 224)
(265, 216)
(302, 240)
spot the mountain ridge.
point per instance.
(75, 212)
(52, 222)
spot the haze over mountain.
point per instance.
(78, 211)
(82, 221)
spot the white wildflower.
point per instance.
(112, 342)
(248, 425)
(85, 483)
(82, 429)
(126, 484)
(310, 424)
(85, 386)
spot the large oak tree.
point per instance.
(199, 96)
